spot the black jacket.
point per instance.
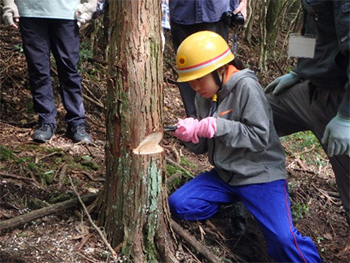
(329, 22)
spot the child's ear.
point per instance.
(222, 69)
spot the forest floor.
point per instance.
(34, 175)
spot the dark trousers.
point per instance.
(61, 37)
(178, 34)
(304, 107)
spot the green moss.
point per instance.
(6, 154)
(186, 163)
(171, 169)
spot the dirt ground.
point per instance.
(33, 176)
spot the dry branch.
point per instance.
(97, 103)
(16, 176)
(22, 219)
(179, 166)
(194, 243)
(104, 239)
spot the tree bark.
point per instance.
(263, 34)
(133, 206)
(250, 21)
(274, 19)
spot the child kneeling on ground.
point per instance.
(234, 125)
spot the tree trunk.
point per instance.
(263, 34)
(133, 206)
(250, 21)
(274, 19)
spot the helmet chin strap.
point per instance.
(217, 79)
(214, 98)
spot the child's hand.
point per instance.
(206, 128)
(189, 129)
(186, 129)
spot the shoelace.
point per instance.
(45, 126)
(80, 128)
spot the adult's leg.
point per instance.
(269, 204)
(341, 168)
(304, 107)
(325, 104)
(64, 36)
(290, 110)
(36, 45)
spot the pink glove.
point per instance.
(206, 128)
(185, 129)
(189, 129)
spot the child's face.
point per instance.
(205, 86)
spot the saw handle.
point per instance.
(170, 128)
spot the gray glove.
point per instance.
(85, 11)
(282, 83)
(10, 15)
(337, 136)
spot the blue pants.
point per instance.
(61, 37)
(269, 203)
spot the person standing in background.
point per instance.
(165, 20)
(52, 26)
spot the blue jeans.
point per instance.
(269, 203)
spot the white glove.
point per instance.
(10, 15)
(85, 11)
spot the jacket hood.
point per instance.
(233, 80)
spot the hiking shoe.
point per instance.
(238, 225)
(237, 215)
(78, 133)
(239, 219)
(44, 132)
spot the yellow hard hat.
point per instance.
(200, 54)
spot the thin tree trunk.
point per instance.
(250, 21)
(274, 19)
(263, 34)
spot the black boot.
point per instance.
(78, 133)
(237, 213)
(44, 132)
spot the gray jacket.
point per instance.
(245, 148)
(329, 22)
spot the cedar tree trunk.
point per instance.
(133, 208)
